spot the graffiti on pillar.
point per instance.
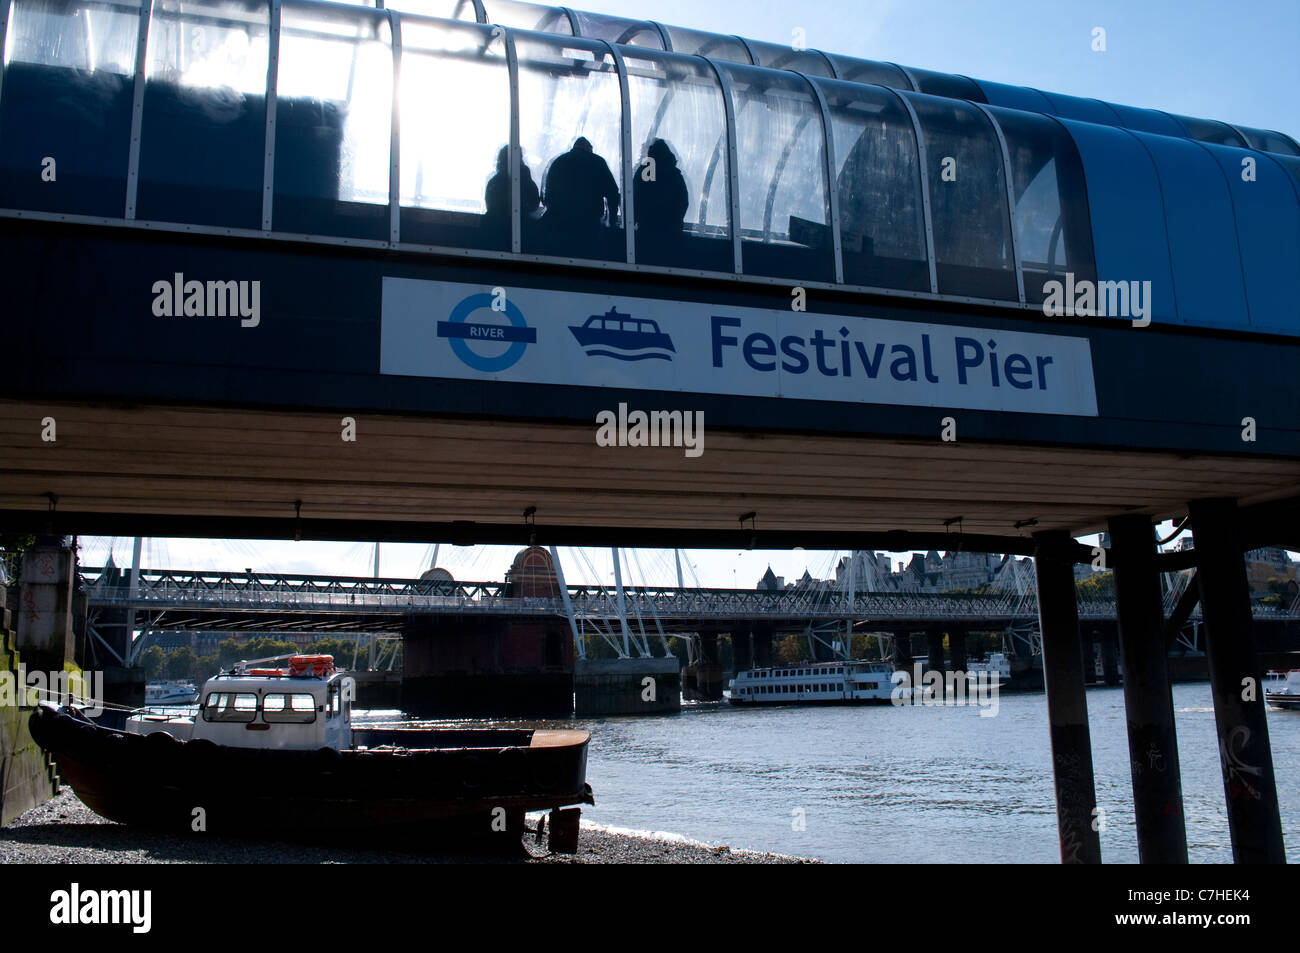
(46, 567)
(1070, 807)
(29, 605)
(1236, 768)
(1155, 758)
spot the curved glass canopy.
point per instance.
(514, 128)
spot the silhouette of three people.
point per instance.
(581, 197)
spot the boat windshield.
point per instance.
(295, 709)
(230, 706)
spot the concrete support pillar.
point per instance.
(762, 642)
(1148, 701)
(1067, 704)
(45, 631)
(708, 671)
(934, 647)
(1239, 714)
(957, 649)
(742, 651)
(1109, 660)
(903, 652)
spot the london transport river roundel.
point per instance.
(461, 338)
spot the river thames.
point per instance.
(897, 785)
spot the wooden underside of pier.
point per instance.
(242, 464)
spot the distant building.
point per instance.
(1263, 565)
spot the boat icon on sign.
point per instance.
(623, 337)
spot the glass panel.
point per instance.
(528, 16)
(455, 148)
(716, 45)
(777, 56)
(948, 85)
(853, 70)
(1208, 130)
(1053, 229)
(203, 142)
(780, 144)
(332, 118)
(295, 709)
(68, 79)
(230, 706)
(570, 115)
(968, 199)
(1267, 141)
(618, 30)
(878, 178)
(679, 120)
(444, 9)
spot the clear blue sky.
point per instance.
(1236, 62)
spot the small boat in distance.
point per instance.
(1282, 690)
(820, 683)
(997, 665)
(272, 752)
(170, 693)
(623, 337)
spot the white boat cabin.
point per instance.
(304, 705)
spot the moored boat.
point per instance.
(272, 752)
(1284, 692)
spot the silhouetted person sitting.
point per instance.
(580, 192)
(659, 189)
(497, 197)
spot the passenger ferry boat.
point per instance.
(170, 693)
(1283, 690)
(272, 751)
(821, 683)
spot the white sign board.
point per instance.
(523, 335)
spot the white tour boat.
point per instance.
(825, 683)
(170, 693)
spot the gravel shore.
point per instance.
(65, 831)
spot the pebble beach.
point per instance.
(65, 831)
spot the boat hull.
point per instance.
(475, 788)
(1284, 701)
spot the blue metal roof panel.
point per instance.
(1147, 120)
(1128, 217)
(1202, 234)
(1085, 110)
(1015, 97)
(1267, 213)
